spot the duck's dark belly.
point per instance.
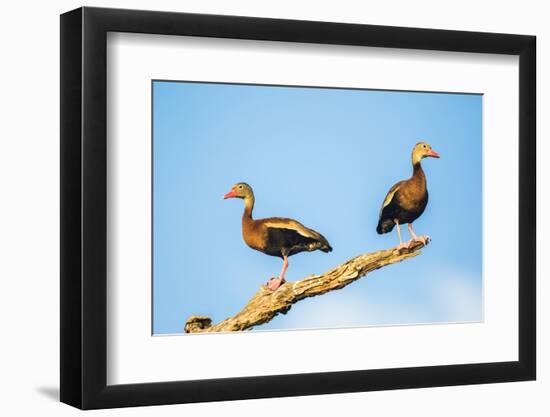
(281, 241)
(409, 209)
(405, 216)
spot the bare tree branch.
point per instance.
(265, 304)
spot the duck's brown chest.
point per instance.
(412, 197)
(253, 234)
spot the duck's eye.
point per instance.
(424, 146)
(240, 187)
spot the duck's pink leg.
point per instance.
(401, 244)
(424, 239)
(275, 283)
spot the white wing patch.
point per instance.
(389, 197)
(293, 225)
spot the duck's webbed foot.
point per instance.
(424, 239)
(401, 246)
(274, 283)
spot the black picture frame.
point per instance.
(84, 207)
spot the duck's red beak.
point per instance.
(230, 194)
(432, 153)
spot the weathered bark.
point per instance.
(265, 304)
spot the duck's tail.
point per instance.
(385, 226)
(326, 248)
(322, 243)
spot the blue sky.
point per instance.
(325, 157)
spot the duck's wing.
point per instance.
(385, 218)
(295, 232)
(283, 223)
(389, 198)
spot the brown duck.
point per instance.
(406, 200)
(275, 236)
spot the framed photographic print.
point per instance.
(258, 207)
